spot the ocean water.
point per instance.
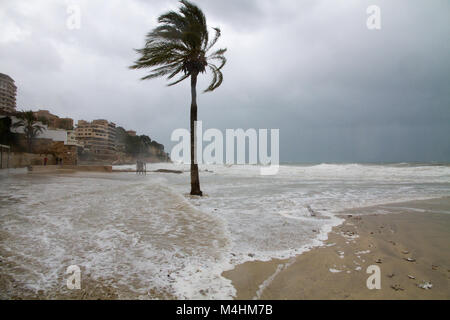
(146, 237)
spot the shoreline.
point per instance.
(382, 235)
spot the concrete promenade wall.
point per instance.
(89, 168)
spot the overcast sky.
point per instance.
(337, 91)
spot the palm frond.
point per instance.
(213, 42)
(217, 78)
(179, 45)
(36, 129)
(184, 77)
(220, 57)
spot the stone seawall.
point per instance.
(22, 159)
(68, 168)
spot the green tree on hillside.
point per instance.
(31, 126)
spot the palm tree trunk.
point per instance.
(195, 181)
(30, 143)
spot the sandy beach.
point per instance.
(387, 237)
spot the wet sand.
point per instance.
(384, 236)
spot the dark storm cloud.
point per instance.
(337, 91)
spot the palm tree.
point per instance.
(31, 126)
(179, 46)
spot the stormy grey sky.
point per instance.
(337, 91)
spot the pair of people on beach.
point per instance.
(58, 161)
(141, 167)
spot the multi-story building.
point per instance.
(98, 136)
(72, 139)
(131, 133)
(112, 135)
(8, 92)
(53, 121)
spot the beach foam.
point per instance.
(144, 235)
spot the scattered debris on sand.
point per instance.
(425, 285)
(397, 287)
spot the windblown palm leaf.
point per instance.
(179, 46)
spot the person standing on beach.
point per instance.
(45, 161)
(138, 167)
